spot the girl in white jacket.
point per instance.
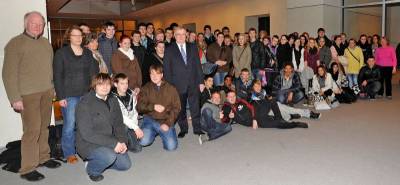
(323, 84)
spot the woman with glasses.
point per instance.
(73, 68)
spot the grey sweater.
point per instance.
(99, 123)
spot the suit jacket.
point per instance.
(183, 76)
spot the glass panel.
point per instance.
(392, 23)
(354, 2)
(359, 21)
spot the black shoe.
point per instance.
(295, 116)
(96, 178)
(182, 134)
(199, 133)
(302, 125)
(315, 115)
(51, 164)
(33, 176)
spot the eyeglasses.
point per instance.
(76, 35)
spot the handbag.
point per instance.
(319, 102)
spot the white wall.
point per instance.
(11, 19)
(230, 13)
(309, 15)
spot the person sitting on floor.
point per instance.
(255, 114)
(243, 84)
(226, 87)
(288, 113)
(324, 86)
(127, 102)
(287, 86)
(368, 78)
(207, 91)
(343, 93)
(101, 135)
(211, 119)
(159, 102)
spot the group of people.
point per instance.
(118, 95)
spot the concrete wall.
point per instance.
(11, 19)
(309, 15)
(230, 13)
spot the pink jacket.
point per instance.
(386, 56)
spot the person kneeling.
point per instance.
(210, 120)
(160, 104)
(369, 77)
(127, 102)
(101, 136)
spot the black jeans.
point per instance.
(386, 81)
(263, 107)
(371, 88)
(194, 106)
(133, 143)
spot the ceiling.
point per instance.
(117, 9)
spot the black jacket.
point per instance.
(368, 74)
(243, 111)
(150, 59)
(185, 77)
(209, 40)
(257, 55)
(278, 83)
(206, 95)
(99, 123)
(72, 74)
(367, 51)
(140, 53)
(283, 55)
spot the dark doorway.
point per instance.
(264, 24)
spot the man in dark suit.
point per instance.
(183, 70)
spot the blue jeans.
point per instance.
(352, 78)
(68, 133)
(151, 128)
(219, 78)
(103, 158)
(213, 128)
(282, 96)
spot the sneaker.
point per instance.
(203, 138)
(372, 98)
(379, 96)
(389, 97)
(315, 115)
(96, 178)
(51, 164)
(33, 176)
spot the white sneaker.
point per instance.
(203, 138)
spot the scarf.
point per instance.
(339, 49)
(321, 81)
(297, 56)
(128, 53)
